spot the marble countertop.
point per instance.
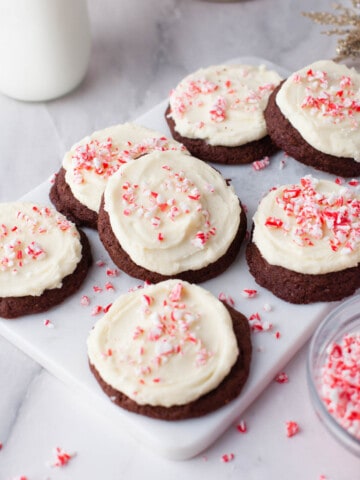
(140, 50)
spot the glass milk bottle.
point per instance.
(44, 47)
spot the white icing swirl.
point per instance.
(167, 344)
(172, 212)
(38, 248)
(322, 101)
(223, 104)
(310, 228)
(95, 158)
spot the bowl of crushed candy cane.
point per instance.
(333, 371)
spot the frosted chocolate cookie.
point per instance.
(305, 243)
(170, 215)
(80, 183)
(314, 116)
(170, 351)
(218, 113)
(43, 258)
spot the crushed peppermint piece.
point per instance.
(331, 217)
(257, 325)
(249, 293)
(241, 426)
(96, 310)
(85, 300)
(62, 458)
(100, 263)
(48, 323)
(112, 272)
(261, 164)
(292, 428)
(227, 457)
(281, 378)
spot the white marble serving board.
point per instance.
(62, 348)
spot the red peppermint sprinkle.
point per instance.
(218, 110)
(48, 323)
(273, 222)
(100, 263)
(292, 428)
(249, 293)
(227, 457)
(241, 427)
(112, 272)
(109, 286)
(85, 300)
(62, 458)
(261, 164)
(281, 378)
(354, 182)
(107, 308)
(96, 310)
(97, 289)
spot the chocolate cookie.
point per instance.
(227, 391)
(64, 201)
(305, 244)
(287, 138)
(218, 113)
(240, 155)
(12, 307)
(314, 116)
(299, 288)
(88, 165)
(125, 263)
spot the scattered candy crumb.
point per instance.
(227, 457)
(226, 298)
(292, 428)
(62, 458)
(48, 323)
(241, 426)
(249, 293)
(281, 378)
(261, 164)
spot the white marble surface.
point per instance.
(140, 50)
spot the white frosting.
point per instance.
(38, 248)
(322, 101)
(223, 104)
(167, 344)
(172, 212)
(310, 228)
(95, 158)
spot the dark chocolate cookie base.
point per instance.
(227, 391)
(64, 201)
(240, 155)
(12, 307)
(286, 137)
(301, 288)
(125, 263)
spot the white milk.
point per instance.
(44, 47)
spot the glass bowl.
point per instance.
(343, 320)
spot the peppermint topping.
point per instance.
(161, 207)
(336, 102)
(193, 92)
(340, 389)
(332, 216)
(21, 237)
(171, 328)
(104, 158)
